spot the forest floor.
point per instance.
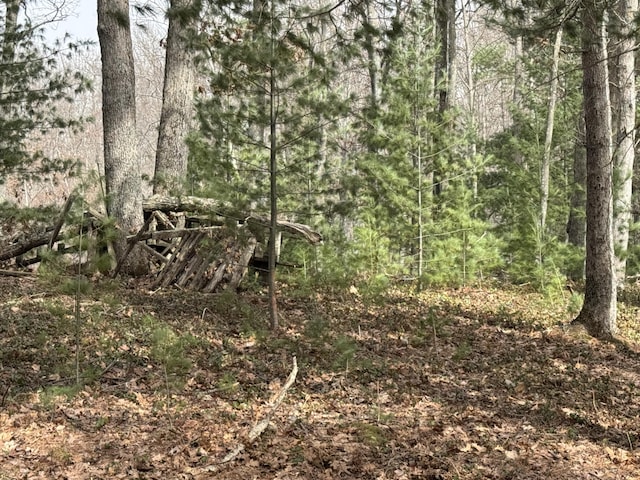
(473, 383)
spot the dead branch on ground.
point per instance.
(262, 425)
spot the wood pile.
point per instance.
(203, 258)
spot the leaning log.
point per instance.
(295, 229)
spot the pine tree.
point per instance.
(269, 103)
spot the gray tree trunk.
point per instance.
(576, 225)
(8, 54)
(176, 117)
(445, 70)
(623, 106)
(548, 139)
(273, 178)
(598, 313)
(123, 179)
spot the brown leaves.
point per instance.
(467, 384)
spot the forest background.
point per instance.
(442, 143)
(470, 167)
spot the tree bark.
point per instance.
(598, 312)
(8, 54)
(576, 224)
(445, 61)
(123, 179)
(176, 117)
(273, 178)
(548, 139)
(623, 106)
(445, 73)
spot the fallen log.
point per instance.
(187, 204)
(26, 245)
(215, 207)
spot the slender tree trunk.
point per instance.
(8, 54)
(372, 62)
(445, 71)
(548, 139)
(518, 53)
(12, 8)
(471, 94)
(176, 117)
(445, 61)
(623, 106)
(123, 180)
(273, 165)
(598, 313)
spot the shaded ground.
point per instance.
(466, 384)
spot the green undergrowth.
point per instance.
(170, 338)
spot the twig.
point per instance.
(16, 273)
(6, 392)
(131, 242)
(166, 383)
(262, 425)
(60, 222)
(78, 327)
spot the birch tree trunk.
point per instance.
(123, 180)
(623, 106)
(598, 312)
(548, 139)
(176, 117)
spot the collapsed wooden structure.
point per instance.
(193, 243)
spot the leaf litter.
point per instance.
(473, 383)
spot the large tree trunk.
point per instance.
(623, 106)
(122, 167)
(598, 313)
(177, 102)
(576, 223)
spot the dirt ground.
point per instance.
(474, 383)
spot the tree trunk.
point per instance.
(177, 102)
(445, 61)
(471, 93)
(8, 54)
(123, 180)
(445, 73)
(273, 165)
(576, 226)
(598, 313)
(548, 139)
(623, 106)
(518, 54)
